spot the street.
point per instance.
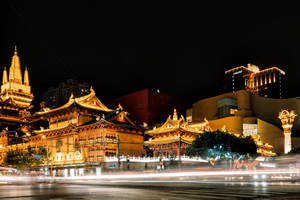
(153, 190)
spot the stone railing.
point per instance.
(154, 159)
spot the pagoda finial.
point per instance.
(175, 115)
(26, 77)
(15, 49)
(4, 78)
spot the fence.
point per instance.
(154, 159)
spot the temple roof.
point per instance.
(89, 101)
(166, 140)
(117, 116)
(179, 124)
(42, 131)
(12, 119)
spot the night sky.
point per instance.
(183, 48)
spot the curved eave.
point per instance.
(13, 119)
(190, 131)
(52, 129)
(162, 131)
(94, 108)
(167, 141)
(67, 105)
(174, 129)
(101, 121)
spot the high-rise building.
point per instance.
(264, 83)
(56, 97)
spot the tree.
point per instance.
(217, 142)
(23, 159)
(294, 151)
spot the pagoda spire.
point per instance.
(26, 77)
(175, 115)
(15, 68)
(4, 78)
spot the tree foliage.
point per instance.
(23, 159)
(211, 143)
(294, 151)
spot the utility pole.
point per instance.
(179, 150)
(47, 159)
(118, 142)
(51, 154)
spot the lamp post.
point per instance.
(118, 142)
(48, 155)
(179, 151)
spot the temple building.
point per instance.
(82, 133)
(264, 83)
(174, 136)
(15, 96)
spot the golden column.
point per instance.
(287, 119)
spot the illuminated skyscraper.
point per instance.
(264, 83)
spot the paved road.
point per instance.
(162, 190)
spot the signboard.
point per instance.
(112, 166)
(37, 156)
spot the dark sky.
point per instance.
(182, 48)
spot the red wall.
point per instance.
(148, 106)
(135, 103)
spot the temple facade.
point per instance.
(174, 136)
(79, 135)
(82, 133)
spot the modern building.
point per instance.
(250, 114)
(264, 83)
(149, 106)
(56, 97)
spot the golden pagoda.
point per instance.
(15, 96)
(14, 89)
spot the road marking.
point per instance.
(221, 195)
